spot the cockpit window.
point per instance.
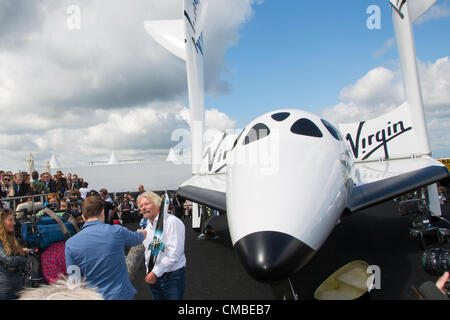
(280, 116)
(306, 127)
(257, 132)
(334, 132)
(236, 141)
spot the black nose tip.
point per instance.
(270, 256)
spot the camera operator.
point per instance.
(53, 202)
(71, 204)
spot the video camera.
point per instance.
(28, 213)
(74, 206)
(422, 223)
(436, 261)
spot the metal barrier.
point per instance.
(16, 200)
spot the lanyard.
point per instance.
(157, 244)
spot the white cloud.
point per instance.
(214, 119)
(381, 90)
(377, 92)
(388, 45)
(108, 86)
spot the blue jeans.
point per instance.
(170, 286)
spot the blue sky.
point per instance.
(301, 54)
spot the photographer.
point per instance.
(19, 187)
(6, 184)
(12, 258)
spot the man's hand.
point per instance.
(442, 281)
(143, 232)
(151, 278)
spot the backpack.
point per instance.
(32, 274)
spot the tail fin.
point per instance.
(369, 139)
(416, 8)
(184, 38)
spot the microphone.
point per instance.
(134, 260)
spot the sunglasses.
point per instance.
(6, 179)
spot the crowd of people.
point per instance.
(23, 184)
(96, 250)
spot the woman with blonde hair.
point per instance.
(12, 258)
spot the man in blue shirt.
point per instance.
(98, 251)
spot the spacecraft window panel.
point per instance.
(257, 132)
(306, 127)
(280, 116)
(334, 132)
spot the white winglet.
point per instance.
(169, 34)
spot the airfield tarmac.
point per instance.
(378, 235)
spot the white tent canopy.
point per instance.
(172, 157)
(113, 159)
(30, 163)
(47, 167)
(54, 163)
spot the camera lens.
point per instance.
(436, 261)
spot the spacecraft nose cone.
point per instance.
(270, 256)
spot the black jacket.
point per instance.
(23, 189)
(10, 280)
(51, 186)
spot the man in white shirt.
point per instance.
(84, 190)
(166, 277)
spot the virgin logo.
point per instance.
(371, 142)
